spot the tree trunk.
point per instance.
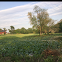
(40, 30)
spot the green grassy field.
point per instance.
(20, 47)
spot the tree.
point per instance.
(18, 30)
(30, 30)
(40, 19)
(55, 28)
(23, 30)
(12, 29)
(4, 30)
(60, 25)
(0, 29)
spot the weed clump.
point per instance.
(48, 52)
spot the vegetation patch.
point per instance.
(29, 48)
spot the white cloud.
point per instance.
(15, 9)
(18, 15)
(56, 9)
(60, 13)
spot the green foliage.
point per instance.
(25, 46)
(51, 28)
(0, 29)
(49, 59)
(18, 31)
(21, 46)
(60, 26)
(23, 31)
(41, 19)
(30, 30)
(12, 29)
(57, 27)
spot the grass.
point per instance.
(29, 47)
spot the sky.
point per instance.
(14, 13)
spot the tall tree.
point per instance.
(4, 30)
(0, 29)
(40, 19)
(60, 25)
(12, 29)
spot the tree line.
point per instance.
(40, 20)
(41, 23)
(20, 31)
(56, 28)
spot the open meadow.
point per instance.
(29, 47)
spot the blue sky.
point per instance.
(7, 4)
(15, 12)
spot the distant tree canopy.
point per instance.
(22, 30)
(0, 29)
(57, 28)
(40, 19)
(12, 29)
(60, 25)
(41, 23)
(54, 28)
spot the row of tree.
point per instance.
(22, 30)
(56, 28)
(40, 20)
(41, 23)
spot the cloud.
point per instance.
(60, 13)
(15, 12)
(18, 15)
(56, 9)
(14, 9)
(9, 22)
(14, 16)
